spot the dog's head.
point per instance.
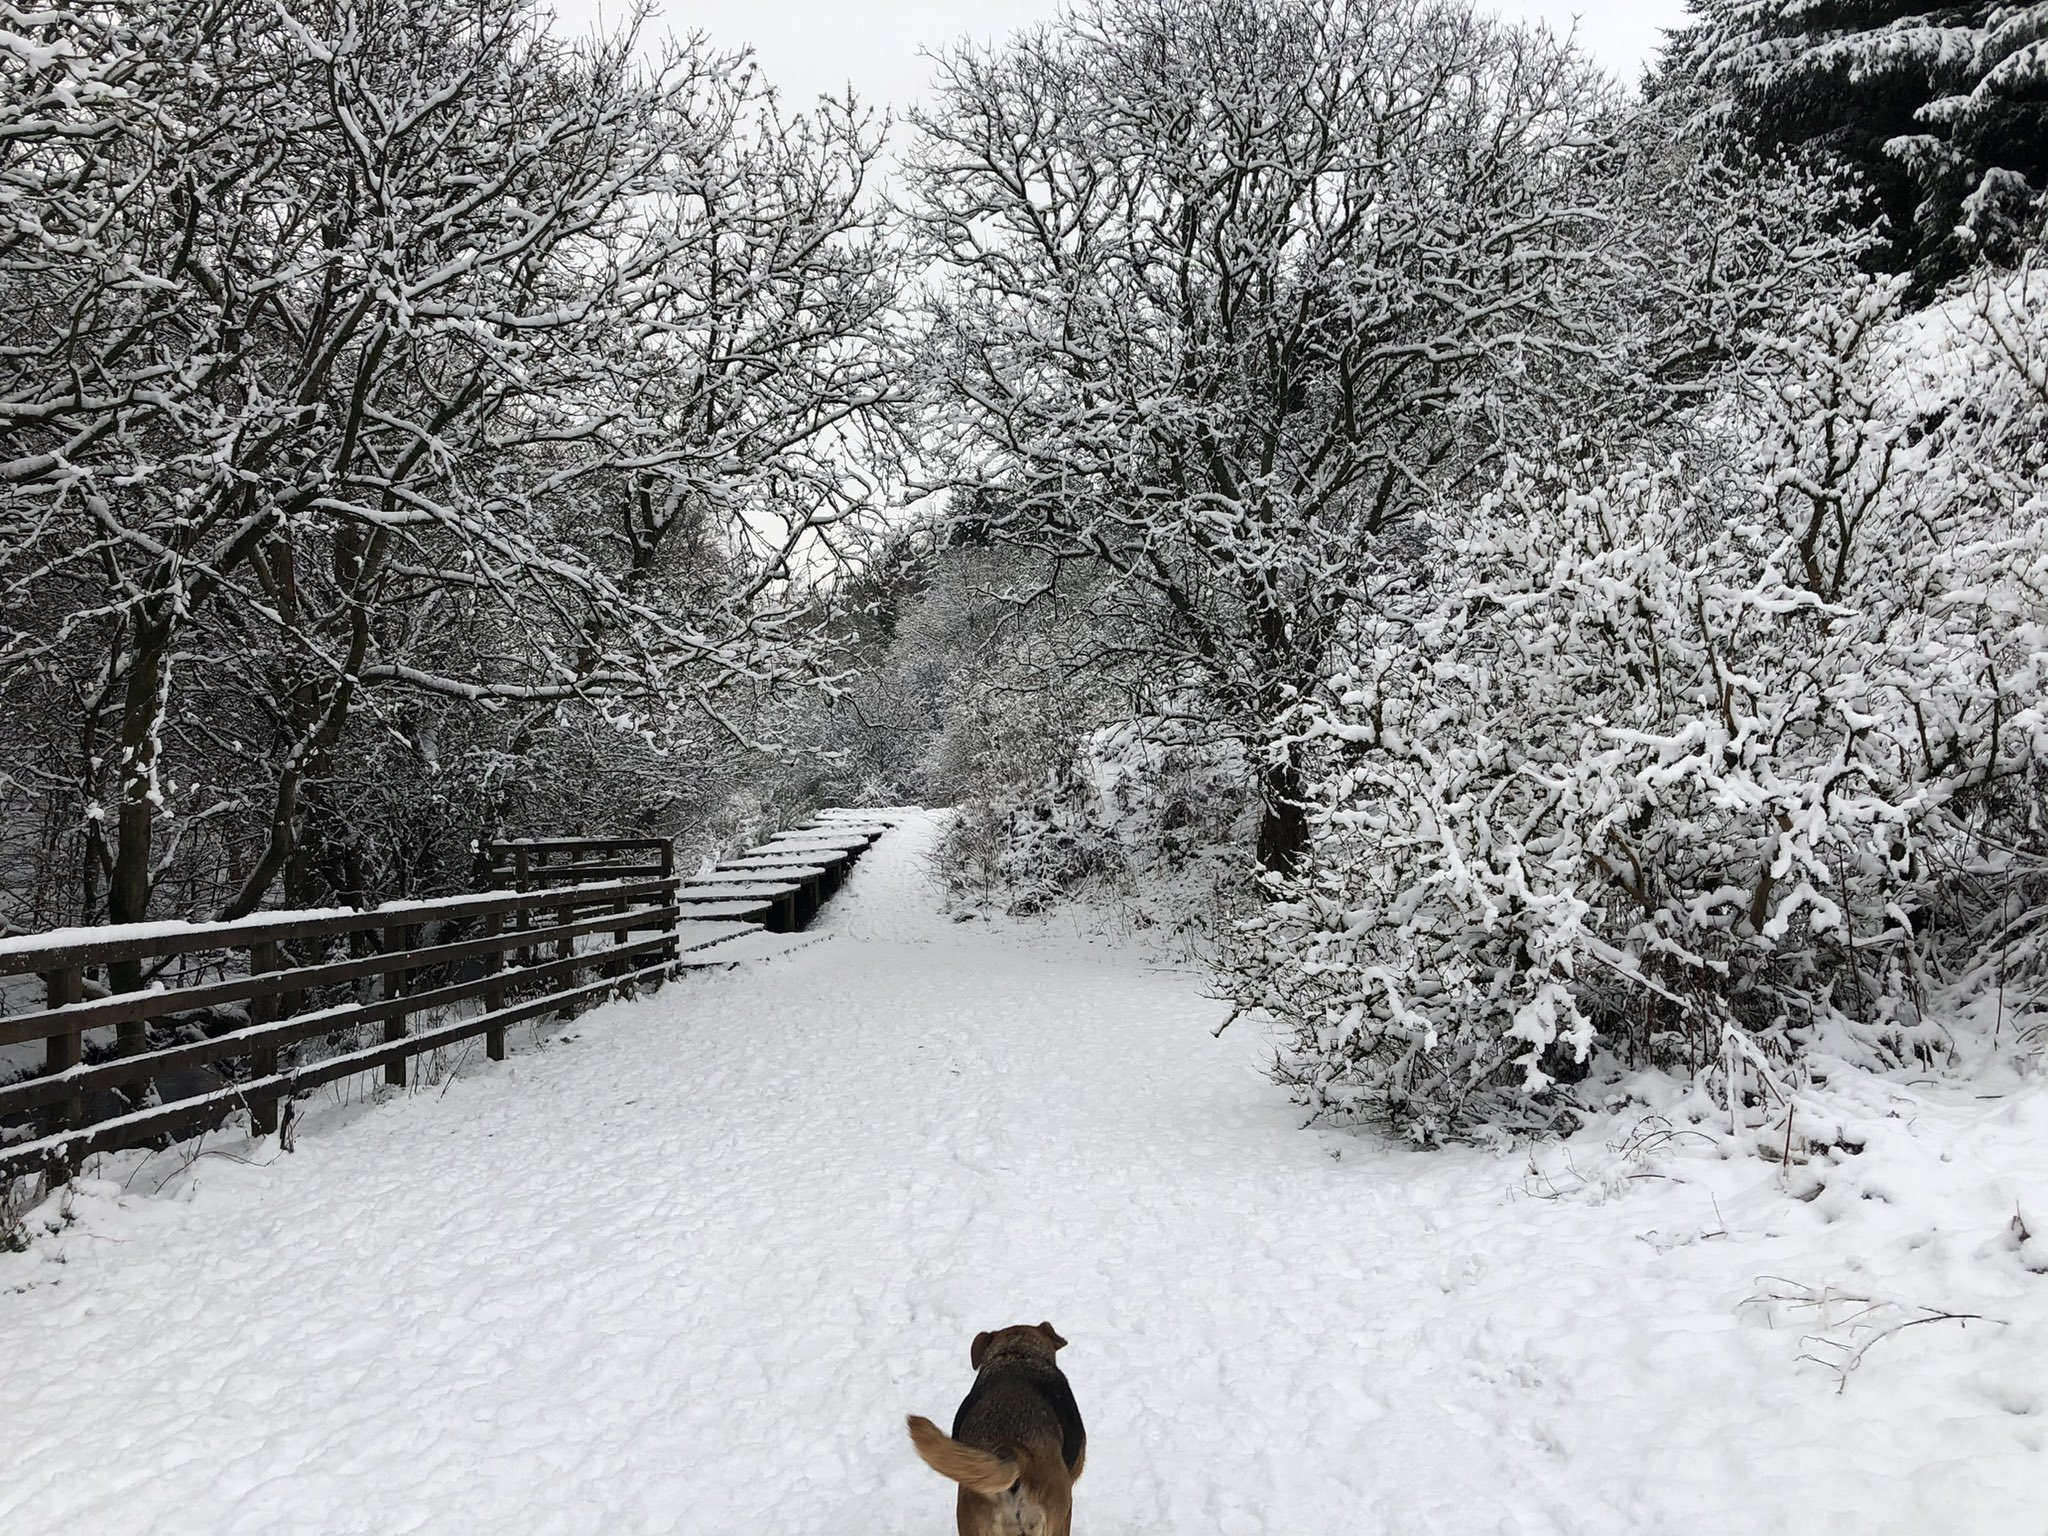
(1025, 1338)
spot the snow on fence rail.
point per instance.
(525, 963)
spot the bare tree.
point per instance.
(1237, 291)
(382, 353)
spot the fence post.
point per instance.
(131, 1038)
(62, 1052)
(263, 956)
(565, 949)
(672, 951)
(494, 997)
(292, 1003)
(620, 938)
(521, 879)
(396, 941)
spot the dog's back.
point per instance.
(1024, 1398)
(1017, 1443)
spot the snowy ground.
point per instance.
(686, 1271)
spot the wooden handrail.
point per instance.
(581, 874)
(44, 952)
(574, 844)
(131, 1006)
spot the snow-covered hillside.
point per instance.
(685, 1270)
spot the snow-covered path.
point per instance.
(686, 1271)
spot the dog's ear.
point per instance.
(978, 1350)
(1058, 1343)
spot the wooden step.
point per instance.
(759, 856)
(756, 946)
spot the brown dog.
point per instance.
(1017, 1443)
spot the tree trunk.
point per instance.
(1283, 824)
(129, 882)
(307, 759)
(142, 711)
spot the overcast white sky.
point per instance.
(809, 46)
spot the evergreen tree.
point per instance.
(1942, 108)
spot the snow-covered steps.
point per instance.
(796, 847)
(694, 934)
(768, 858)
(783, 905)
(758, 945)
(820, 869)
(794, 871)
(747, 886)
(787, 871)
(807, 884)
(780, 884)
(750, 910)
(825, 837)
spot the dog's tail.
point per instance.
(983, 1471)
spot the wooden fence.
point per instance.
(86, 1108)
(570, 922)
(522, 863)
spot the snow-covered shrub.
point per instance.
(1741, 750)
(1163, 829)
(1172, 802)
(1028, 855)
